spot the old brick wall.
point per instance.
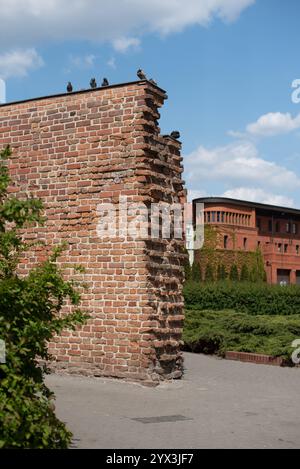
(78, 151)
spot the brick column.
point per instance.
(293, 279)
(76, 152)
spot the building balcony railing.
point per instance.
(227, 218)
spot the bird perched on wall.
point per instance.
(175, 134)
(105, 82)
(153, 81)
(93, 83)
(69, 87)
(141, 74)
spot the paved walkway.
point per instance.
(218, 404)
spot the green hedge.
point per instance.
(243, 297)
(215, 332)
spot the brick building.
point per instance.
(77, 151)
(248, 226)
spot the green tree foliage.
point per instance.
(261, 273)
(234, 273)
(196, 272)
(253, 276)
(245, 276)
(209, 273)
(210, 253)
(258, 273)
(221, 275)
(29, 308)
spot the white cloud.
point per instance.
(238, 163)
(30, 22)
(2, 91)
(269, 125)
(124, 43)
(259, 195)
(18, 63)
(234, 134)
(112, 63)
(274, 123)
(195, 194)
(85, 61)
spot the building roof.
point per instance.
(89, 90)
(279, 211)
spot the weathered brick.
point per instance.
(77, 151)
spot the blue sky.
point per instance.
(227, 65)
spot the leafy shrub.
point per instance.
(258, 273)
(196, 272)
(29, 308)
(209, 273)
(245, 276)
(251, 298)
(187, 270)
(221, 275)
(234, 273)
(219, 331)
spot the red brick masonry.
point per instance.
(244, 227)
(254, 358)
(79, 150)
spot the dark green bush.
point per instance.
(221, 275)
(209, 273)
(187, 270)
(245, 276)
(258, 273)
(215, 332)
(234, 273)
(252, 298)
(29, 308)
(196, 272)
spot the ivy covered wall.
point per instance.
(213, 263)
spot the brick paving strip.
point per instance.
(255, 358)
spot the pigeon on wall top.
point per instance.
(141, 74)
(93, 83)
(69, 87)
(175, 134)
(105, 82)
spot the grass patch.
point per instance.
(215, 332)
